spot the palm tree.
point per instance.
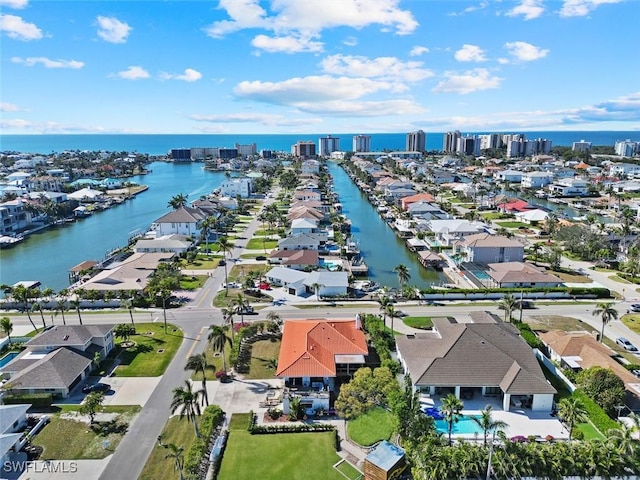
(316, 289)
(22, 294)
(451, 409)
(218, 339)
(61, 306)
(188, 402)
(403, 274)
(384, 302)
(225, 246)
(177, 454)
(536, 248)
(393, 313)
(607, 313)
(509, 303)
(275, 319)
(624, 440)
(486, 422)
(75, 303)
(199, 364)
(177, 201)
(227, 317)
(240, 305)
(571, 410)
(205, 228)
(6, 327)
(128, 304)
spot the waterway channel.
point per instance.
(381, 248)
(48, 255)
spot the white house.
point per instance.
(303, 241)
(182, 221)
(536, 179)
(570, 187)
(484, 248)
(236, 187)
(446, 231)
(532, 217)
(511, 176)
(303, 225)
(310, 167)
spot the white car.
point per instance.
(634, 307)
(626, 344)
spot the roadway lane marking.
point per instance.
(195, 342)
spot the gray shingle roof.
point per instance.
(473, 355)
(57, 370)
(69, 335)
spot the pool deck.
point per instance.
(520, 421)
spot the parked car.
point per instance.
(626, 344)
(526, 304)
(261, 257)
(636, 373)
(634, 307)
(96, 387)
(222, 263)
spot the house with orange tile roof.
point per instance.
(419, 197)
(319, 354)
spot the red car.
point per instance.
(264, 286)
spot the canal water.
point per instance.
(381, 248)
(48, 255)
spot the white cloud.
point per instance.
(261, 118)
(342, 108)
(389, 68)
(470, 53)
(48, 127)
(529, 9)
(299, 90)
(16, 27)
(189, 75)
(133, 73)
(625, 108)
(350, 41)
(418, 50)
(17, 4)
(472, 8)
(286, 44)
(525, 52)
(8, 107)
(468, 82)
(112, 30)
(305, 20)
(581, 8)
(47, 62)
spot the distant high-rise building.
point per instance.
(327, 145)
(543, 146)
(267, 154)
(416, 141)
(491, 141)
(304, 149)
(450, 142)
(181, 154)
(246, 150)
(362, 143)
(469, 145)
(581, 146)
(627, 148)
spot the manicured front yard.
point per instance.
(375, 425)
(512, 224)
(152, 352)
(290, 456)
(261, 243)
(192, 282)
(424, 323)
(264, 355)
(73, 439)
(178, 432)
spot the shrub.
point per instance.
(288, 428)
(530, 337)
(35, 399)
(211, 418)
(597, 415)
(602, 386)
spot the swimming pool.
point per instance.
(7, 358)
(480, 275)
(464, 426)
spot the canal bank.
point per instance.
(381, 248)
(48, 255)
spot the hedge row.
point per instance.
(574, 291)
(283, 428)
(530, 337)
(211, 418)
(35, 399)
(597, 415)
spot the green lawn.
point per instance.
(258, 244)
(263, 353)
(418, 322)
(253, 255)
(193, 282)
(513, 224)
(214, 359)
(201, 263)
(349, 471)
(144, 359)
(375, 425)
(290, 456)
(178, 432)
(69, 439)
(266, 231)
(632, 321)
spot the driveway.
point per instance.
(130, 390)
(240, 396)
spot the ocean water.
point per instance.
(161, 144)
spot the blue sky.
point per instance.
(334, 66)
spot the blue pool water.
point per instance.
(479, 274)
(465, 426)
(7, 358)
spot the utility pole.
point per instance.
(521, 299)
(493, 439)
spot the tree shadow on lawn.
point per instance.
(104, 429)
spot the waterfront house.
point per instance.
(236, 187)
(86, 195)
(419, 197)
(570, 187)
(393, 194)
(514, 206)
(305, 212)
(296, 259)
(426, 211)
(292, 280)
(484, 248)
(330, 284)
(303, 225)
(58, 359)
(580, 350)
(316, 205)
(519, 274)
(475, 360)
(310, 167)
(532, 217)
(14, 217)
(536, 179)
(509, 176)
(182, 221)
(450, 230)
(316, 353)
(303, 241)
(304, 195)
(167, 243)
